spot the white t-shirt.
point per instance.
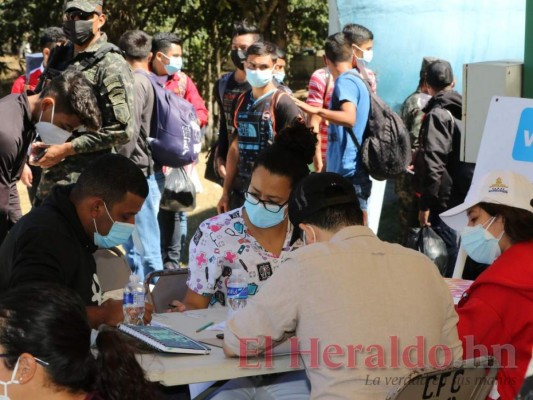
(223, 243)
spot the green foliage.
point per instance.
(204, 25)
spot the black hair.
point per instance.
(163, 40)
(357, 34)
(263, 48)
(517, 223)
(338, 48)
(135, 45)
(245, 27)
(334, 218)
(110, 177)
(74, 94)
(281, 53)
(49, 321)
(291, 153)
(51, 36)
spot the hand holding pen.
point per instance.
(176, 306)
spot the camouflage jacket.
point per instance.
(113, 85)
(412, 115)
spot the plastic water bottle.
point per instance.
(133, 301)
(237, 295)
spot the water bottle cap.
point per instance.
(135, 278)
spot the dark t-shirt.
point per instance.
(231, 89)
(16, 134)
(256, 127)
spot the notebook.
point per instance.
(164, 339)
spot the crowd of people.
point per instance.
(315, 270)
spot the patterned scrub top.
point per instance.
(223, 243)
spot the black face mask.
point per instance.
(238, 57)
(78, 32)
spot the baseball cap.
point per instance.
(497, 187)
(83, 5)
(425, 63)
(318, 191)
(439, 74)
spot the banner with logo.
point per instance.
(507, 141)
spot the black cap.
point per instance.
(439, 74)
(425, 63)
(318, 191)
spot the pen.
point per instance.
(200, 329)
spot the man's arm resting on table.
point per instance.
(109, 313)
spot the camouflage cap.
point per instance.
(83, 5)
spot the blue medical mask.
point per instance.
(175, 64)
(261, 217)
(12, 381)
(279, 76)
(118, 234)
(480, 244)
(257, 78)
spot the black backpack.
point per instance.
(386, 148)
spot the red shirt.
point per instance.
(498, 310)
(183, 86)
(19, 86)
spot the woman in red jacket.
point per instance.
(496, 313)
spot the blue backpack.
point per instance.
(175, 136)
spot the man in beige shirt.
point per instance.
(364, 312)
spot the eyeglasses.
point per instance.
(76, 15)
(38, 360)
(269, 206)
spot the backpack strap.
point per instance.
(222, 84)
(354, 138)
(240, 100)
(273, 105)
(98, 55)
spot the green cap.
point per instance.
(83, 5)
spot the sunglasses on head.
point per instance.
(80, 15)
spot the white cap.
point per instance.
(497, 187)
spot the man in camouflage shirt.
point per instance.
(112, 81)
(412, 116)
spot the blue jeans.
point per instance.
(144, 254)
(173, 227)
(363, 186)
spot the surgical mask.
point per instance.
(257, 78)
(279, 76)
(118, 234)
(368, 55)
(175, 64)
(12, 381)
(79, 32)
(50, 133)
(261, 217)
(480, 244)
(237, 57)
(304, 236)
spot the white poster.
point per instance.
(507, 141)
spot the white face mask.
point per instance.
(12, 381)
(50, 133)
(304, 236)
(368, 55)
